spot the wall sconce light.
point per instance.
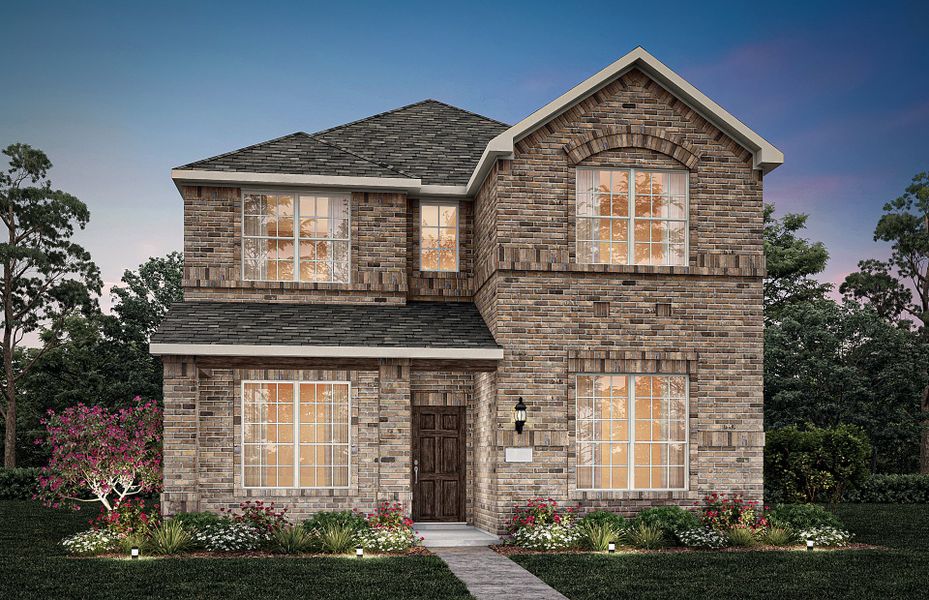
(359, 552)
(809, 545)
(134, 553)
(611, 547)
(520, 415)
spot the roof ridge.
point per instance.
(356, 155)
(470, 112)
(224, 154)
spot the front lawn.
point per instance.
(33, 565)
(898, 572)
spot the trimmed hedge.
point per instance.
(910, 488)
(18, 484)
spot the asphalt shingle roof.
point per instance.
(414, 325)
(429, 140)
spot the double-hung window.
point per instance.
(296, 237)
(631, 432)
(438, 236)
(295, 434)
(631, 217)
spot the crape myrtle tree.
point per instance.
(46, 276)
(898, 288)
(99, 455)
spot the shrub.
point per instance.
(389, 530)
(723, 512)
(169, 538)
(18, 484)
(292, 539)
(338, 538)
(128, 517)
(91, 542)
(669, 519)
(703, 537)
(540, 511)
(827, 536)
(597, 535)
(198, 521)
(101, 454)
(648, 537)
(816, 464)
(603, 516)
(232, 537)
(550, 536)
(801, 516)
(910, 488)
(778, 536)
(742, 536)
(133, 540)
(352, 519)
(264, 518)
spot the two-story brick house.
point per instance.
(365, 306)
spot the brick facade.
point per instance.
(554, 318)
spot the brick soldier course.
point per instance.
(553, 317)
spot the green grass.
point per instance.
(898, 572)
(33, 565)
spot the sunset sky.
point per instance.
(117, 95)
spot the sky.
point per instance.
(119, 93)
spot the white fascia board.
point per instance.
(766, 156)
(411, 186)
(195, 176)
(325, 351)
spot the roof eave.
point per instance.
(247, 178)
(168, 349)
(765, 156)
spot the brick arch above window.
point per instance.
(652, 138)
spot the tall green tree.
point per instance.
(792, 263)
(103, 358)
(898, 288)
(46, 275)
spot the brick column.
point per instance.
(180, 436)
(394, 430)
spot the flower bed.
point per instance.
(254, 529)
(717, 523)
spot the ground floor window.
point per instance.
(295, 434)
(631, 432)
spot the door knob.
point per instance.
(415, 472)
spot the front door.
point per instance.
(438, 463)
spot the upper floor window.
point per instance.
(438, 236)
(296, 237)
(641, 224)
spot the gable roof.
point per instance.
(434, 148)
(413, 330)
(766, 156)
(430, 141)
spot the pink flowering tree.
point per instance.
(101, 455)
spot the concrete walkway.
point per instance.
(492, 576)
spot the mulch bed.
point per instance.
(507, 550)
(414, 551)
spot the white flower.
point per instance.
(234, 537)
(703, 537)
(552, 536)
(826, 536)
(92, 541)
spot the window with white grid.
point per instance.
(631, 432)
(438, 236)
(295, 434)
(641, 224)
(296, 236)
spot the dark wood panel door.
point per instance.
(438, 463)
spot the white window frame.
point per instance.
(295, 193)
(440, 204)
(630, 465)
(630, 242)
(296, 383)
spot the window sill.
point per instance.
(345, 492)
(633, 495)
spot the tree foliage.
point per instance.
(792, 263)
(100, 455)
(46, 275)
